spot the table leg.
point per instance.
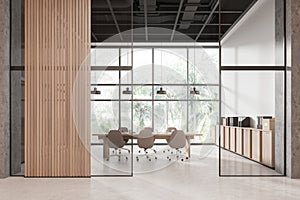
(188, 150)
(105, 149)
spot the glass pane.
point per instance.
(126, 77)
(104, 57)
(142, 115)
(17, 90)
(139, 92)
(126, 56)
(142, 92)
(170, 66)
(126, 115)
(107, 92)
(250, 145)
(203, 117)
(104, 117)
(257, 39)
(173, 92)
(205, 93)
(142, 66)
(105, 77)
(170, 114)
(203, 65)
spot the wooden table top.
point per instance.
(156, 135)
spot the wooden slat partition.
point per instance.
(57, 90)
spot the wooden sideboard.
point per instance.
(255, 144)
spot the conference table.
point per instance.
(127, 136)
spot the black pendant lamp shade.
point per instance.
(161, 91)
(95, 91)
(194, 91)
(127, 91)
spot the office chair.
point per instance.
(177, 141)
(116, 141)
(149, 128)
(170, 130)
(146, 142)
(123, 129)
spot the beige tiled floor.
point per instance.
(196, 179)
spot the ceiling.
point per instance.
(164, 20)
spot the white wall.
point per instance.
(248, 93)
(252, 40)
(250, 43)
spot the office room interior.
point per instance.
(124, 97)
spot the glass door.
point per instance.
(252, 86)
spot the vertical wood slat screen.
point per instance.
(57, 90)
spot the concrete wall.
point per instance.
(293, 92)
(4, 87)
(17, 56)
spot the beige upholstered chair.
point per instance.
(116, 141)
(148, 128)
(177, 141)
(124, 130)
(146, 142)
(171, 129)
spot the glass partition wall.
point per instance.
(130, 97)
(253, 93)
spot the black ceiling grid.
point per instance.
(164, 20)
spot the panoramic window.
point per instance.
(174, 70)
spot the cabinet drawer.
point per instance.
(256, 145)
(227, 138)
(239, 141)
(247, 143)
(232, 138)
(268, 148)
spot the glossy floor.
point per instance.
(201, 156)
(179, 180)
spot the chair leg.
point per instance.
(118, 153)
(178, 154)
(147, 155)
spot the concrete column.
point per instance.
(16, 88)
(279, 87)
(293, 134)
(4, 86)
(16, 125)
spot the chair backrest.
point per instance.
(145, 139)
(177, 139)
(148, 128)
(171, 129)
(123, 129)
(115, 139)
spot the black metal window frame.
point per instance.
(152, 85)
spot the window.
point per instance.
(176, 70)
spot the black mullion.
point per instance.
(220, 87)
(116, 84)
(153, 89)
(120, 89)
(253, 68)
(285, 86)
(188, 89)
